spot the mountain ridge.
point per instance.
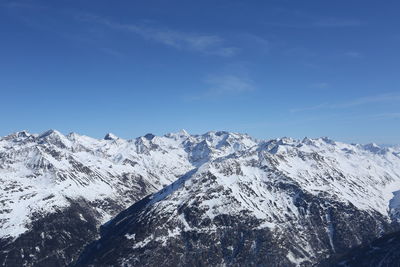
(196, 204)
(43, 174)
(93, 180)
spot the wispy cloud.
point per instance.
(353, 54)
(383, 98)
(369, 100)
(310, 108)
(393, 115)
(112, 52)
(297, 18)
(204, 43)
(337, 22)
(229, 84)
(226, 85)
(310, 22)
(320, 85)
(254, 42)
(16, 4)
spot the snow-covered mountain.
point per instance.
(214, 199)
(56, 190)
(282, 202)
(382, 252)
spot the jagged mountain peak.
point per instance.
(17, 135)
(110, 137)
(81, 162)
(149, 136)
(54, 137)
(50, 133)
(321, 196)
(374, 148)
(73, 135)
(23, 134)
(214, 183)
(183, 132)
(181, 135)
(215, 140)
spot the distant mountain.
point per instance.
(56, 190)
(214, 199)
(282, 202)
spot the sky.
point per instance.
(267, 68)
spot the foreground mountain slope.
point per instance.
(382, 252)
(280, 203)
(56, 190)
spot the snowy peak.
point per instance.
(54, 137)
(207, 186)
(23, 134)
(77, 166)
(180, 136)
(306, 198)
(183, 133)
(149, 136)
(17, 136)
(110, 137)
(51, 134)
(374, 148)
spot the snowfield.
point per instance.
(281, 186)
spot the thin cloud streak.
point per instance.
(369, 99)
(316, 107)
(353, 54)
(337, 22)
(20, 5)
(229, 84)
(218, 86)
(319, 23)
(203, 43)
(394, 115)
(384, 98)
(320, 85)
(112, 52)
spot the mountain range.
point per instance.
(217, 199)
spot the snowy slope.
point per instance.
(39, 172)
(45, 174)
(57, 189)
(283, 202)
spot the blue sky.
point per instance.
(267, 68)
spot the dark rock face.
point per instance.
(238, 201)
(53, 240)
(235, 242)
(110, 137)
(56, 190)
(149, 136)
(153, 234)
(384, 252)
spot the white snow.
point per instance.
(38, 173)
